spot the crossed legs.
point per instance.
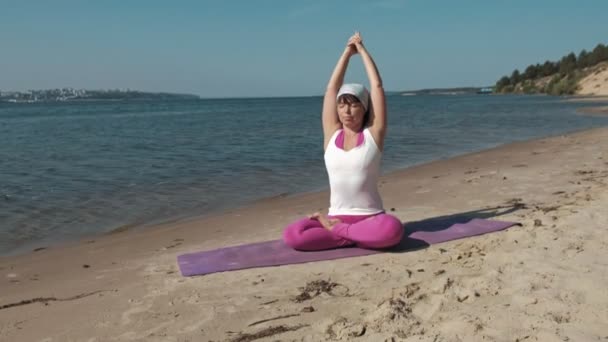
(318, 232)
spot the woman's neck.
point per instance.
(349, 132)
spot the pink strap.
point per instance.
(340, 139)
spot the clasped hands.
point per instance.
(355, 44)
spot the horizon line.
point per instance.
(201, 97)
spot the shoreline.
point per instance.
(586, 98)
(549, 271)
(595, 111)
(48, 243)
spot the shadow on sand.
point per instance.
(440, 223)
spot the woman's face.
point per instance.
(351, 114)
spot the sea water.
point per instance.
(73, 169)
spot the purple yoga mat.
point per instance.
(275, 252)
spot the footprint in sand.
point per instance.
(475, 287)
(428, 306)
(395, 315)
(342, 329)
(392, 315)
(137, 308)
(574, 248)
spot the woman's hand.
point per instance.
(356, 42)
(351, 49)
(353, 44)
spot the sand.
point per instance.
(599, 111)
(596, 83)
(598, 105)
(542, 281)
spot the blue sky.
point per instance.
(252, 48)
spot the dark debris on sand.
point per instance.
(517, 203)
(315, 288)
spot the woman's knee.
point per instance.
(392, 230)
(292, 232)
(293, 242)
(288, 237)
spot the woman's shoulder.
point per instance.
(335, 135)
(332, 139)
(367, 133)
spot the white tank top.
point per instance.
(353, 177)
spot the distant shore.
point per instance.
(71, 95)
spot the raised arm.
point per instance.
(377, 119)
(331, 123)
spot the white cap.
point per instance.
(357, 90)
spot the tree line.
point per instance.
(565, 74)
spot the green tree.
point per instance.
(583, 59)
(567, 64)
(502, 83)
(565, 73)
(562, 85)
(515, 77)
(599, 54)
(548, 68)
(532, 71)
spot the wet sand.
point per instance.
(603, 110)
(542, 281)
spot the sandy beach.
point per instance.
(596, 83)
(542, 281)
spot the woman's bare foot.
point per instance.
(325, 221)
(314, 216)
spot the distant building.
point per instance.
(486, 90)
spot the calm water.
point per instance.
(68, 170)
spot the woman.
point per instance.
(353, 130)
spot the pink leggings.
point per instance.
(372, 231)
